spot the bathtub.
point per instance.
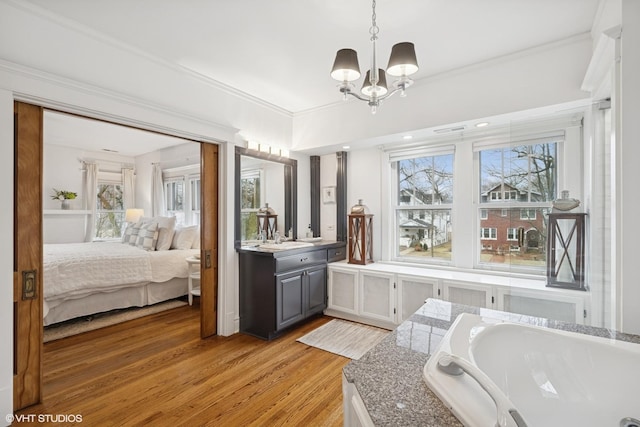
(535, 376)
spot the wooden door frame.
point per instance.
(28, 313)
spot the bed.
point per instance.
(81, 279)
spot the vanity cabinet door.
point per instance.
(316, 285)
(289, 299)
(377, 295)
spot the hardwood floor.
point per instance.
(157, 371)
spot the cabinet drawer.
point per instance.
(336, 254)
(293, 262)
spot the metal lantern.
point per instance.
(360, 234)
(267, 221)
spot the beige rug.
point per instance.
(102, 320)
(345, 338)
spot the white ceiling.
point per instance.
(281, 51)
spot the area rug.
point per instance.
(345, 338)
(102, 320)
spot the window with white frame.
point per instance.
(182, 194)
(110, 210)
(525, 173)
(424, 199)
(487, 233)
(506, 181)
(251, 191)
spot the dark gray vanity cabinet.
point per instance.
(279, 289)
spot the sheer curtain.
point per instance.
(128, 193)
(90, 186)
(157, 191)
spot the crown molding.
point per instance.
(86, 31)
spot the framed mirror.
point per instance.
(264, 180)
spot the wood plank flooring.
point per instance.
(157, 371)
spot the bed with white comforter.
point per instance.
(86, 278)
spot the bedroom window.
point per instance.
(182, 196)
(109, 211)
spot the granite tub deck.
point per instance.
(389, 377)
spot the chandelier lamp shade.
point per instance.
(402, 64)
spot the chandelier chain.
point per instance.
(374, 30)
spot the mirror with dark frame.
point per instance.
(264, 180)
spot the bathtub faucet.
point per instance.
(508, 415)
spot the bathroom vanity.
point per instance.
(281, 285)
(386, 386)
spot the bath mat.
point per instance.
(102, 320)
(348, 339)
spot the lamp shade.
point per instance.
(380, 89)
(346, 67)
(133, 215)
(402, 61)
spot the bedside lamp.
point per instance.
(133, 215)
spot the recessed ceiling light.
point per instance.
(108, 150)
(482, 124)
(407, 137)
(346, 147)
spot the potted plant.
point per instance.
(64, 196)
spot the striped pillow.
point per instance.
(148, 236)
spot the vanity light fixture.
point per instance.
(402, 63)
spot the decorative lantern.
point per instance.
(267, 221)
(360, 234)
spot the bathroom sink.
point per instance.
(285, 245)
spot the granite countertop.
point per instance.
(389, 377)
(273, 251)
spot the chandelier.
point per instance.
(402, 63)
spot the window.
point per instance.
(527, 214)
(109, 210)
(484, 213)
(251, 183)
(182, 194)
(424, 189)
(525, 175)
(488, 233)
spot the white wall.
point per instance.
(328, 178)
(547, 75)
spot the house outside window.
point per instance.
(526, 176)
(488, 233)
(424, 188)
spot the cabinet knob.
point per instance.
(303, 259)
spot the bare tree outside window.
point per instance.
(423, 213)
(524, 178)
(109, 211)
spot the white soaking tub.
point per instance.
(536, 376)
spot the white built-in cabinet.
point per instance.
(385, 296)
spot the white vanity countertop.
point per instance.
(389, 377)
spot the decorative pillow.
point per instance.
(183, 237)
(166, 228)
(130, 235)
(148, 236)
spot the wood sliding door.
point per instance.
(27, 255)
(209, 239)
